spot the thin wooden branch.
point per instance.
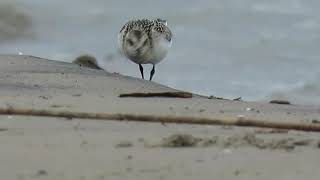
(164, 119)
(159, 94)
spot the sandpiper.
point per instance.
(145, 41)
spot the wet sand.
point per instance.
(61, 148)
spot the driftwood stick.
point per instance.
(159, 94)
(164, 119)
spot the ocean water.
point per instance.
(254, 49)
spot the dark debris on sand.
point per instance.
(124, 144)
(235, 141)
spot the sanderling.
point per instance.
(145, 42)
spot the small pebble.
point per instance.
(240, 117)
(227, 151)
(236, 172)
(44, 97)
(200, 160)
(124, 144)
(42, 172)
(129, 157)
(128, 169)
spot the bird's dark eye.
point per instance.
(129, 41)
(137, 34)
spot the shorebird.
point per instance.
(145, 41)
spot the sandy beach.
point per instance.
(62, 148)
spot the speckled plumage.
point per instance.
(145, 41)
(147, 25)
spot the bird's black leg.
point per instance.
(152, 72)
(141, 71)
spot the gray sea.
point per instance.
(254, 49)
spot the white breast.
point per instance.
(160, 50)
